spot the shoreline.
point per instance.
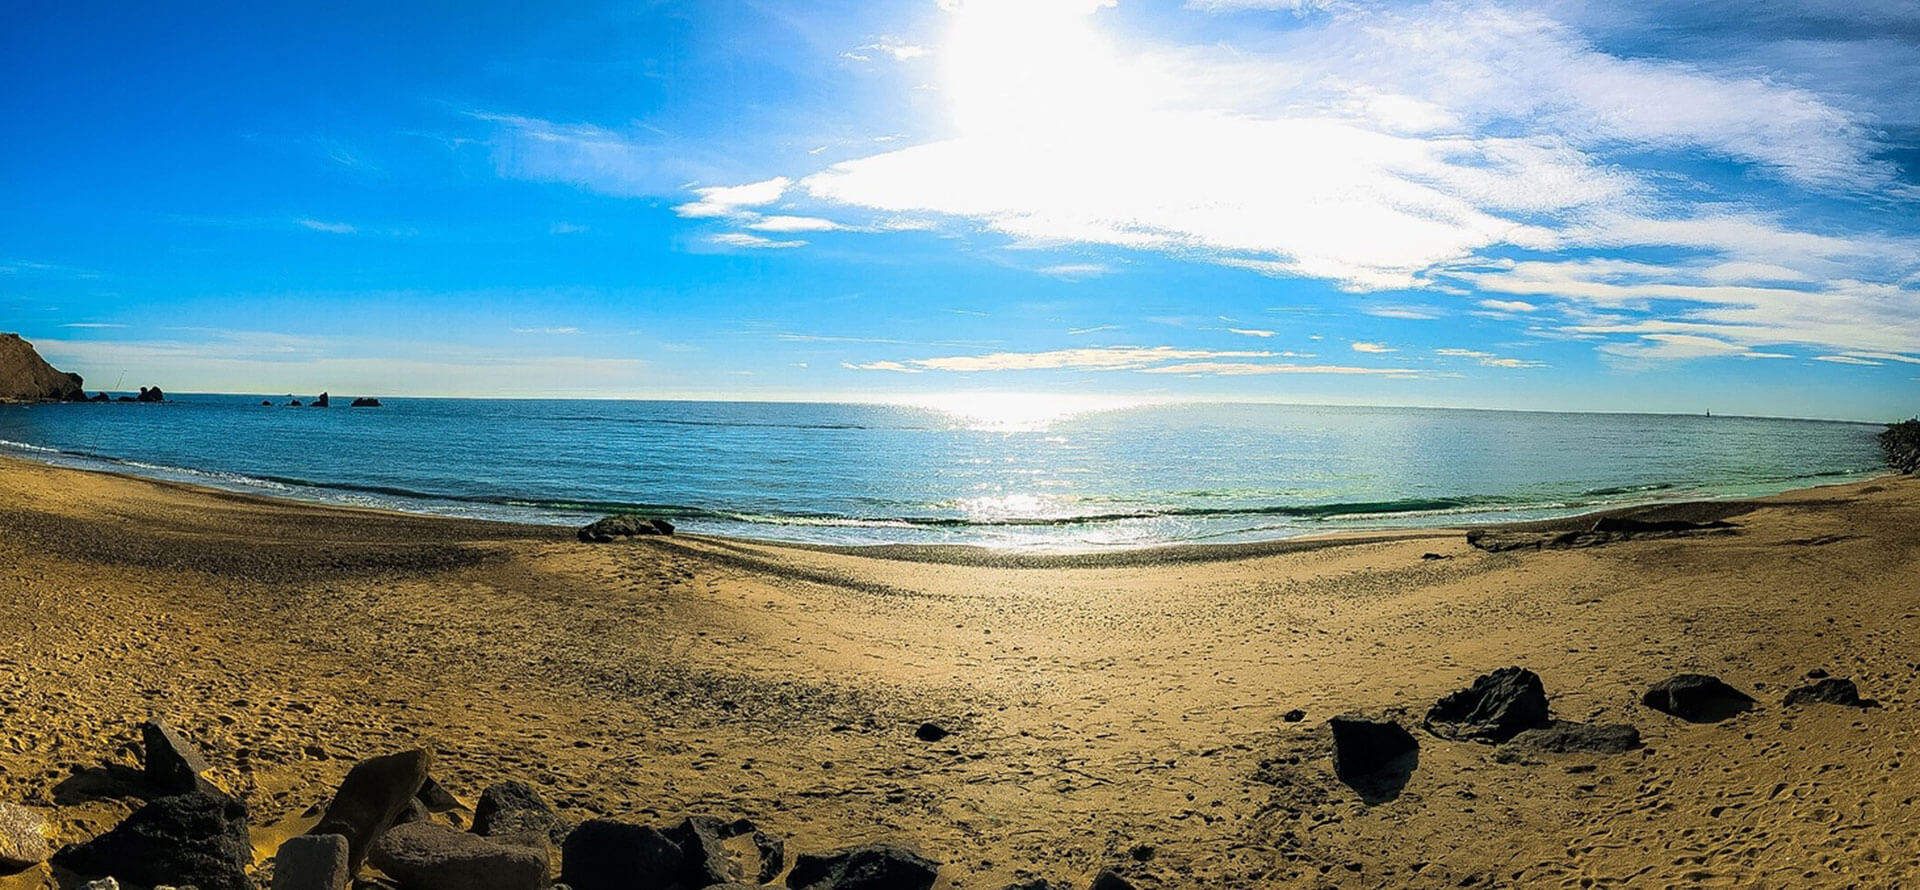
(1096, 709)
(1040, 557)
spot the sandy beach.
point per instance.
(1121, 711)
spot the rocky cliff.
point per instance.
(25, 377)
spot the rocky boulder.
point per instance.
(150, 394)
(312, 862)
(1697, 698)
(1497, 707)
(324, 401)
(364, 403)
(430, 856)
(1566, 737)
(374, 794)
(867, 867)
(172, 765)
(1830, 691)
(608, 855)
(623, 526)
(1374, 757)
(198, 839)
(23, 837)
(514, 808)
(25, 377)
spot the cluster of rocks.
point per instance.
(625, 525)
(390, 814)
(324, 400)
(1605, 530)
(1375, 755)
(147, 394)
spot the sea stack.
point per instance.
(319, 402)
(26, 377)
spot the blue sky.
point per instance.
(1666, 206)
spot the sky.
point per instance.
(1672, 205)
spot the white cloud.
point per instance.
(336, 228)
(92, 324)
(1104, 358)
(744, 240)
(900, 51)
(793, 224)
(1076, 332)
(1297, 6)
(1489, 359)
(1364, 346)
(731, 200)
(1251, 332)
(1845, 360)
(565, 228)
(1416, 313)
(1076, 271)
(1509, 306)
(1885, 357)
(561, 331)
(1244, 369)
(880, 366)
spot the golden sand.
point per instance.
(1099, 705)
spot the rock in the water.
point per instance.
(295, 403)
(931, 732)
(1108, 879)
(23, 837)
(1566, 737)
(1830, 691)
(25, 377)
(150, 394)
(1697, 698)
(172, 764)
(622, 526)
(511, 808)
(101, 397)
(312, 862)
(607, 855)
(322, 402)
(1373, 757)
(372, 796)
(364, 403)
(198, 838)
(430, 856)
(1497, 707)
(866, 867)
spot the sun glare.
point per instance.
(1018, 412)
(1024, 68)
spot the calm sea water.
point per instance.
(860, 474)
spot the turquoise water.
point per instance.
(1029, 478)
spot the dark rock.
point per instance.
(197, 838)
(435, 797)
(1603, 531)
(1830, 691)
(1294, 716)
(364, 403)
(1566, 737)
(1039, 884)
(1497, 707)
(295, 403)
(415, 812)
(312, 862)
(23, 837)
(151, 394)
(702, 843)
(507, 808)
(931, 732)
(266, 403)
(773, 856)
(1625, 525)
(1108, 879)
(125, 399)
(101, 397)
(375, 793)
(1697, 698)
(1373, 757)
(172, 764)
(627, 525)
(866, 867)
(1817, 674)
(322, 402)
(607, 855)
(430, 856)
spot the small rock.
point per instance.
(1039, 884)
(364, 403)
(312, 862)
(866, 867)
(1817, 674)
(607, 855)
(1697, 698)
(1566, 737)
(702, 843)
(375, 793)
(1373, 757)
(931, 732)
(430, 856)
(102, 884)
(1108, 879)
(1497, 707)
(172, 764)
(507, 808)
(624, 525)
(1830, 691)
(23, 837)
(1294, 716)
(773, 856)
(198, 838)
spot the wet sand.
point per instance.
(1100, 705)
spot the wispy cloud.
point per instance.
(1245, 369)
(744, 240)
(1107, 358)
(1076, 271)
(1489, 359)
(553, 331)
(92, 324)
(1364, 346)
(731, 200)
(793, 224)
(1251, 332)
(336, 228)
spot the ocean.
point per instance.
(1006, 473)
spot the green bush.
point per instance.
(1901, 442)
